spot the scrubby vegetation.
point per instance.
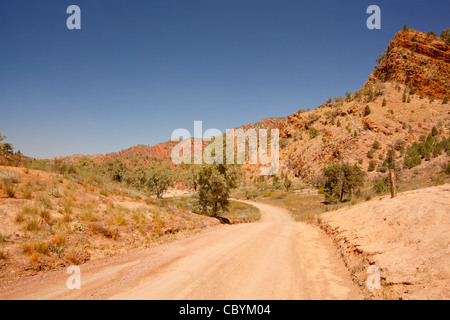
(215, 182)
(430, 147)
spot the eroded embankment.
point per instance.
(357, 262)
(407, 237)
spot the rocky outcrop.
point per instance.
(418, 60)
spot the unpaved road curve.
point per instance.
(276, 258)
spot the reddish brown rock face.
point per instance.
(417, 59)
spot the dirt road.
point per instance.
(276, 258)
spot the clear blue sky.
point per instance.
(137, 70)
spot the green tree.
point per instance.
(189, 176)
(348, 96)
(158, 179)
(341, 180)
(389, 162)
(5, 147)
(137, 178)
(367, 111)
(115, 169)
(445, 35)
(412, 157)
(215, 182)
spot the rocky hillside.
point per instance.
(403, 99)
(143, 154)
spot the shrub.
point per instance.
(438, 179)
(383, 169)
(279, 194)
(434, 131)
(412, 157)
(27, 192)
(46, 203)
(445, 35)
(55, 192)
(367, 111)
(58, 240)
(11, 176)
(45, 215)
(267, 194)
(250, 194)
(338, 99)
(76, 256)
(42, 247)
(399, 145)
(369, 93)
(372, 165)
(287, 183)
(445, 100)
(376, 145)
(384, 104)
(313, 132)
(32, 225)
(389, 162)
(381, 186)
(8, 181)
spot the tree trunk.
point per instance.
(393, 184)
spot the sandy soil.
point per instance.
(275, 258)
(408, 237)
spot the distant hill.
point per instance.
(403, 99)
(142, 154)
